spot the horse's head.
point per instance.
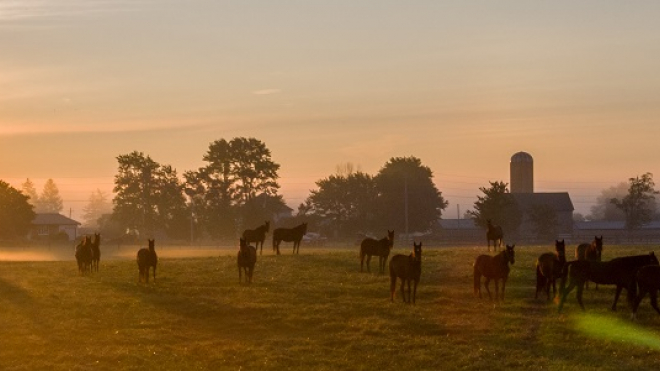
(417, 252)
(267, 224)
(654, 259)
(510, 253)
(152, 244)
(390, 238)
(597, 245)
(560, 247)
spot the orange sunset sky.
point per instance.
(462, 85)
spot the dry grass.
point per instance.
(312, 311)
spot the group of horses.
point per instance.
(88, 254)
(258, 236)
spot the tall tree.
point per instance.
(97, 205)
(407, 196)
(604, 209)
(16, 213)
(496, 205)
(29, 190)
(50, 200)
(639, 204)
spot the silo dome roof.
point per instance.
(522, 157)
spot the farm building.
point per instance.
(50, 225)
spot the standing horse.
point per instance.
(493, 267)
(381, 248)
(407, 268)
(618, 271)
(549, 267)
(84, 255)
(247, 256)
(96, 252)
(590, 251)
(258, 236)
(495, 234)
(147, 258)
(648, 281)
(294, 235)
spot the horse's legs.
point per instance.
(486, 285)
(554, 288)
(571, 286)
(616, 296)
(368, 263)
(415, 291)
(503, 286)
(580, 289)
(409, 292)
(638, 299)
(392, 287)
(403, 290)
(654, 299)
(477, 282)
(497, 289)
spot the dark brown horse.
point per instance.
(96, 252)
(247, 257)
(618, 271)
(648, 281)
(494, 233)
(590, 251)
(258, 236)
(549, 267)
(294, 235)
(147, 258)
(493, 268)
(380, 248)
(407, 268)
(84, 255)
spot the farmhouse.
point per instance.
(49, 225)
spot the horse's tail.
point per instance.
(632, 291)
(564, 275)
(540, 279)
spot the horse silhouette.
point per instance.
(407, 268)
(380, 248)
(247, 257)
(494, 233)
(294, 235)
(493, 268)
(618, 271)
(96, 252)
(258, 236)
(648, 281)
(147, 258)
(83, 255)
(590, 251)
(549, 267)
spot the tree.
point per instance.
(497, 205)
(639, 204)
(16, 213)
(29, 190)
(149, 196)
(97, 205)
(50, 200)
(604, 209)
(544, 221)
(407, 196)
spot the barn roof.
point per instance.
(559, 201)
(53, 219)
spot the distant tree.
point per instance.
(638, 205)
(497, 205)
(604, 209)
(50, 200)
(544, 220)
(97, 205)
(578, 217)
(405, 181)
(29, 190)
(16, 213)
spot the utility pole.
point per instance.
(405, 190)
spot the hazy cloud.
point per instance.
(15, 10)
(266, 91)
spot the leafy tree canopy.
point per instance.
(16, 213)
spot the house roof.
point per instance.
(53, 219)
(611, 225)
(560, 201)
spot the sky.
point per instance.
(462, 85)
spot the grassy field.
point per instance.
(312, 311)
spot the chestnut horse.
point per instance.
(549, 267)
(247, 256)
(294, 235)
(147, 258)
(493, 268)
(380, 248)
(258, 236)
(407, 268)
(495, 234)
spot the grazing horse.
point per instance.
(648, 281)
(407, 268)
(258, 236)
(294, 235)
(495, 268)
(84, 255)
(618, 271)
(590, 251)
(381, 248)
(495, 234)
(147, 258)
(247, 256)
(549, 267)
(96, 252)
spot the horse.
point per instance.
(96, 252)
(590, 251)
(83, 255)
(407, 268)
(549, 267)
(294, 235)
(495, 234)
(147, 258)
(648, 281)
(618, 271)
(380, 248)
(258, 236)
(247, 256)
(495, 268)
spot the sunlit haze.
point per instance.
(460, 85)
